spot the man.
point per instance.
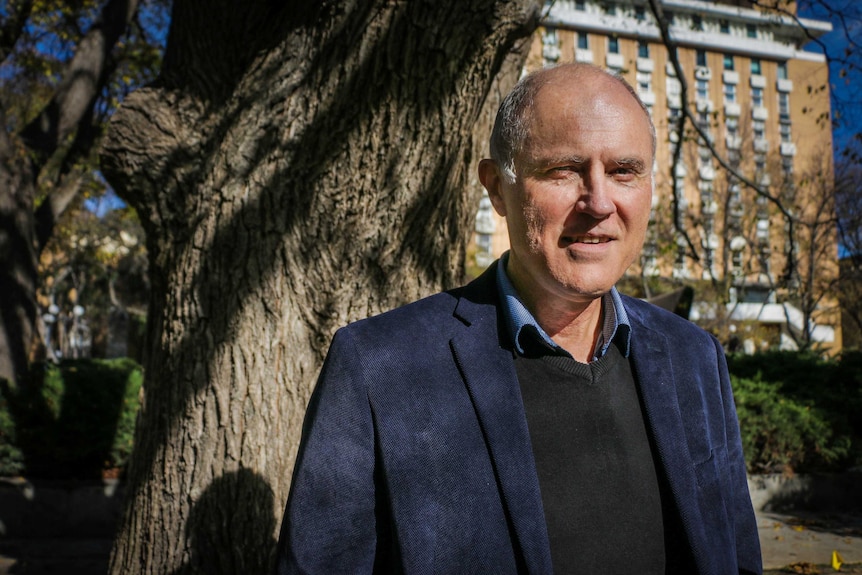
(533, 421)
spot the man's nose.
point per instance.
(595, 195)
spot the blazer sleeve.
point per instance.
(329, 523)
(741, 512)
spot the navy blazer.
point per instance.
(416, 457)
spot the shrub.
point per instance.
(798, 412)
(74, 420)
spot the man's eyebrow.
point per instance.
(557, 161)
(635, 164)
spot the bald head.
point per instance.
(514, 118)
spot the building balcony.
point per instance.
(551, 52)
(674, 101)
(614, 61)
(788, 149)
(764, 179)
(784, 85)
(761, 145)
(759, 113)
(758, 81)
(702, 73)
(648, 98)
(703, 105)
(732, 109)
(707, 173)
(585, 56)
(733, 142)
(730, 77)
(645, 65)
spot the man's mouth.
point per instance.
(590, 239)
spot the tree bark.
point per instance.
(295, 169)
(18, 259)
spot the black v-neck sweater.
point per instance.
(599, 486)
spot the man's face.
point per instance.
(578, 209)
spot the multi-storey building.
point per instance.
(755, 150)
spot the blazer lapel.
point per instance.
(489, 374)
(651, 362)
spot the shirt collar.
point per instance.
(517, 317)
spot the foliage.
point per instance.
(97, 262)
(11, 456)
(798, 412)
(65, 66)
(77, 420)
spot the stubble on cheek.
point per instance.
(534, 227)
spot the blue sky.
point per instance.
(846, 89)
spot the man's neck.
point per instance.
(574, 328)
(574, 324)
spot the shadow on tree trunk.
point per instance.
(230, 526)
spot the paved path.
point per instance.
(785, 539)
(808, 538)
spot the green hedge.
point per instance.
(798, 412)
(75, 419)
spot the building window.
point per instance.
(784, 128)
(732, 126)
(643, 49)
(724, 26)
(757, 97)
(782, 70)
(759, 163)
(703, 121)
(787, 165)
(758, 127)
(640, 13)
(613, 45)
(669, 16)
(644, 82)
(550, 46)
(751, 30)
(610, 8)
(783, 106)
(583, 41)
(697, 22)
(701, 58)
(728, 62)
(580, 5)
(729, 93)
(755, 66)
(735, 192)
(702, 88)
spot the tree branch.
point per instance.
(790, 218)
(81, 84)
(13, 26)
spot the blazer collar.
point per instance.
(489, 374)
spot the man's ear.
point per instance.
(492, 179)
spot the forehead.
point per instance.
(587, 110)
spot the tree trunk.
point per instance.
(295, 169)
(18, 256)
